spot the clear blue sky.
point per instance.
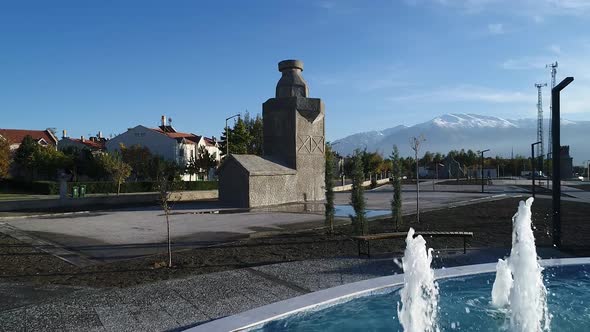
(87, 66)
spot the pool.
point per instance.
(464, 303)
(344, 211)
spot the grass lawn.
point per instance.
(490, 222)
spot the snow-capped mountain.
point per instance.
(470, 131)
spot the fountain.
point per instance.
(468, 301)
(419, 296)
(519, 281)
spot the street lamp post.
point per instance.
(227, 133)
(533, 164)
(588, 166)
(481, 152)
(436, 167)
(555, 158)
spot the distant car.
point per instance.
(581, 178)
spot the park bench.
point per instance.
(382, 236)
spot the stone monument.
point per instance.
(292, 167)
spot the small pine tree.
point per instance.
(357, 197)
(329, 184)
(396, 202)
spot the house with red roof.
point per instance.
(16, 136)
(166, 142)
(94, 143)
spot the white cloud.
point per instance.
(467, 93)
(496, 28)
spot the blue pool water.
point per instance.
(464, 306)
(346, 210)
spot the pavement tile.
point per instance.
(44, 317)
(154, 318)
(184, 313)
(12, 320)
(117, 318)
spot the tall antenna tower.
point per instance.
(541, 149)
(553, 67)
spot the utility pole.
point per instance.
(486, 150)
(540, 149)
(415, 143)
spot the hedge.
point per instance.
(103, 187)
(25, 187)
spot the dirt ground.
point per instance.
(490, 222)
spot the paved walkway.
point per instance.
(182, 303)
(104, 236)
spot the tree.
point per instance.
(256, 138)
(5, 158)
(205, 161)
(329, 184)
(415, 143)
(357, 196)
(118, 170)
(138, 157)
(396, 202)
(191, 168)
(169, 180)
(24, 156)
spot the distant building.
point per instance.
(15, 136)
(94, 143)
(167, 143)
(566, 162)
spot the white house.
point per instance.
(166, 142)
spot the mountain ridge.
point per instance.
(469, 131)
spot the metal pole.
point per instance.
(417, 190)
(556, 156)
(482, 167)
(533, 164)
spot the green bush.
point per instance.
(27, 187)
(104, 187)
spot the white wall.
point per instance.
(158, 144)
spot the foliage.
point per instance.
(255, 129)
(24, 156)
(118, 170)
(82, 162)
(329, 184)
(39, 162)
(246, 136)
(205, 161)
(357, 197)
(5, 158)
(396, 202)
(139, 158)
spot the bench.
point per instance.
(382, 236)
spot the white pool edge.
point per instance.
(255, 317)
